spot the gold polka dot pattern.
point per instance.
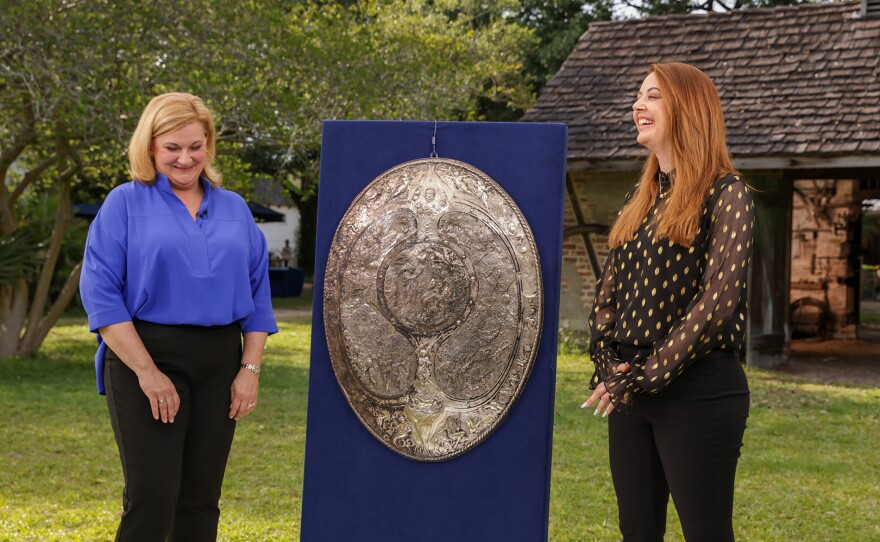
(676, 303)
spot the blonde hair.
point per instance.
(164, 114)
(695, 132)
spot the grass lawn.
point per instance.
(810, 469)
(302, 302)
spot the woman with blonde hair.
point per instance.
(669, 320)
(175, 273)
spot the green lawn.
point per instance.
(809, 472)
(302, 302)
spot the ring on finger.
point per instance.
(251, 404)
(161, 401)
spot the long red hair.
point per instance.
(699, 155)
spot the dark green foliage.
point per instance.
(38, 216)
(557, 24)
(20, 256)
(668, 7)
(871, 235)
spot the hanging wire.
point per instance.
(434, 143)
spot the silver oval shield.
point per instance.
(433, 307)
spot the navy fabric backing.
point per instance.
(356, 489)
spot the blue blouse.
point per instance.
(146, 258)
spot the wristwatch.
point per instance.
(251, 367)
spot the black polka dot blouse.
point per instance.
(675, 303)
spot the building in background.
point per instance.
(271, 194)
(799, 86)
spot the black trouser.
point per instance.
(173, 472)
(684, 440)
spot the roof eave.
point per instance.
(787, 162)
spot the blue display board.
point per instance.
(355, 488)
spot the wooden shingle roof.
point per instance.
(793, 81)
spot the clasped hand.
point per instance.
(601, 397)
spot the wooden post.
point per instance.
(768, 330)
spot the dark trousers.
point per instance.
(685, 441)
(173, 472)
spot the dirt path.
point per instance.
(850, 362)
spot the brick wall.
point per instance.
(600, 196)
(823, 215)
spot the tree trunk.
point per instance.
(15, 316)
(13, 307)
(32, 341)
(41, 294)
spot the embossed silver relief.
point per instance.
(432, 307)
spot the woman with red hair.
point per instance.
(669, 320)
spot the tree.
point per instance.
(557, 24)
(668, 7)
(74, 77)
(374, 59)
(870, 238)
(66, 76)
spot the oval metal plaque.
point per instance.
(432, 307)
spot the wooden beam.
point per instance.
(745, 163)
(634, 164)
(582, 227)
(807, 162)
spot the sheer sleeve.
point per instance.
(716, 315)
(603, 351)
